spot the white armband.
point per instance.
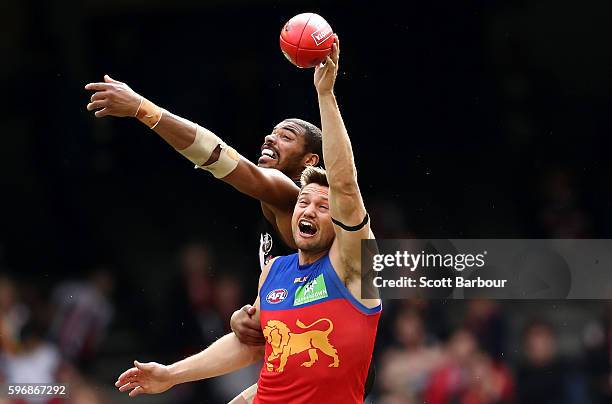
(202, 148)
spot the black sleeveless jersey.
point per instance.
(271, 243)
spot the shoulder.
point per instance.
(280, 260)
(266, 271)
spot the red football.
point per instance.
(306, 39)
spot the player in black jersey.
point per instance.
(292, 145)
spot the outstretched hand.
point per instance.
(325, 73)
(148, 378)
(113, 98)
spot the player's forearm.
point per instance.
(337, 150)
(225, 355)
(199, 145)
(267, 186)
(176, 131)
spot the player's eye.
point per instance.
(285, 137)
(324, 207)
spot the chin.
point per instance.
(312, 246)
(306, 245)
(269, 164)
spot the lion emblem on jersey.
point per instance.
(285, 343)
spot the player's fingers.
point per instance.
(255, 341)
(336, 45)
(144, 366)
(109, 79)
(138, 390)
(98, 95)
(334, 53)
(128, 374)
(99, 86)
(102, 112)
(129, 386)
(322, 66)
(97, 104)
(253, 324)
(329, 63)
(125, 380)
(252, 332)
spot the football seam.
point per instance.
(301, 35)
(290, 44)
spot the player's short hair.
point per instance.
(313, 175)
(313, 138)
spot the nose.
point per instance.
(310, 211)
(271, 138)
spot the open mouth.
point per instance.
(267, 154)
(307, 229)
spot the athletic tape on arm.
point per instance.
(352, 228)
(200, 151)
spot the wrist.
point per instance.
(326, 93)
(176, 374)
(148, 113)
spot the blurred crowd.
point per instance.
(54, 336)
(430, 352)
(82, 333)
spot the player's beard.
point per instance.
(313, 245)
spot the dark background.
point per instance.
(468, 119)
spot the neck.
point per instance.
(308, 257)
(296, 175)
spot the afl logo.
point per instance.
(276, 296)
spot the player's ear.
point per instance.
(311, 159)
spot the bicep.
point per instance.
(265, 184)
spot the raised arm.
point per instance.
(345, 201)
(198, 144)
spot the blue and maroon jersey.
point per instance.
(319, 338)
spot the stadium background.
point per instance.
(468, 119)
